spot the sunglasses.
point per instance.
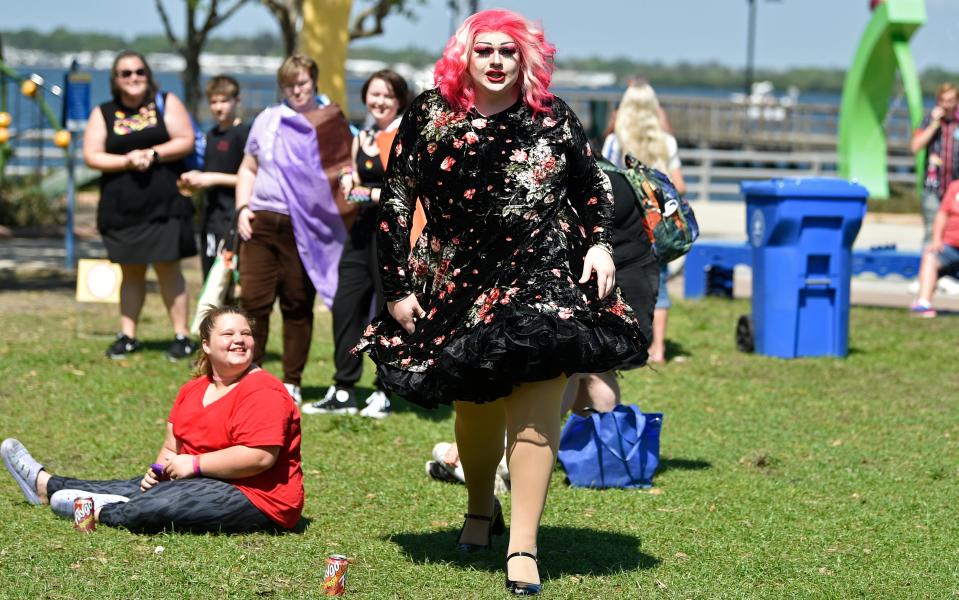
(127, 73)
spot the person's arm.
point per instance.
(676, 176)
(259, 425)
(350, 179)
(923, 135)
(178, 125)
(592, 197)
(206, 179)
(167, 451)
(675, 166)
(245, 176)
(235, 462)
(397, 202)
(96, 156)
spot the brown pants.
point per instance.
(270, 267)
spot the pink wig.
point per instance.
(451, 74)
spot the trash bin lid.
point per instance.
(805, 187)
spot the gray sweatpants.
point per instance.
(199, 504)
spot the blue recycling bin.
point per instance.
(801, 232)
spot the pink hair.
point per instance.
(451, 74)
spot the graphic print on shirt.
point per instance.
(125, 123)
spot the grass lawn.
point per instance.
(812, 478)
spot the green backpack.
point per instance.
(668, 219)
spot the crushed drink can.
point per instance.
(334, 581)
(83, 520)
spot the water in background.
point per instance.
(258, 91)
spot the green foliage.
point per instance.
(902, 199)
(780, 479)
(411, 55)
(22, 204)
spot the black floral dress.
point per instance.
(513, 201)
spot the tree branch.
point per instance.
(213, 19)
(378, 12)
(168, 28)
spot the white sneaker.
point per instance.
(295, 393)
(377, 406)
(62, 502)
(948, 285)
(439, 451)
(502, 470)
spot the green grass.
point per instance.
(811, 478)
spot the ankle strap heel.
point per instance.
(522, 588)
(497, 526)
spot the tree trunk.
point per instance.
(288, 29)
(191, 80)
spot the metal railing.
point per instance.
(715, 174)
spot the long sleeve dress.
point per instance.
(513, 201)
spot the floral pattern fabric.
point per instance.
(513, 201)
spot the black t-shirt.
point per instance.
(224, 153)
(630, 242)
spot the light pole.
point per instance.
(751, 46)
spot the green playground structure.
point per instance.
(884, 48)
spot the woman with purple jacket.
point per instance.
(291, 213)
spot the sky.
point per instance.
(790, 33)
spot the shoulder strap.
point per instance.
(159, 101)
(610, 167)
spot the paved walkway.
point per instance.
(40, 261)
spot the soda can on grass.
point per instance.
(334, 581)
(83, 520)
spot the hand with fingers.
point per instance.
(406, 312)
(599, 260)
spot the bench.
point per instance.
(709, 265)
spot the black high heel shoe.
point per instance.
(521, 588)
(497, 526)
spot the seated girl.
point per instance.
(230, 461)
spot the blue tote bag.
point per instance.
(617, 449)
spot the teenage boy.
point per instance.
(224, 152)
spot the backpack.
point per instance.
(668, 219)
(197, 160)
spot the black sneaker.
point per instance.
(440, 473)
(338, 401)
(180, 347)
(123, 347)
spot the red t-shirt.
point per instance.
(950, 206)
(257, 412)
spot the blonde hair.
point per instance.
(638, 127)
(944, 89)
(291, 67)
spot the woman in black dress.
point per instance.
(385, 95)
(137, 140)
(511, 286)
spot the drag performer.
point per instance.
(510, 287)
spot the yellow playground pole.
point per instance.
(325, 38)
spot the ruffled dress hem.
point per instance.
(487, 362)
